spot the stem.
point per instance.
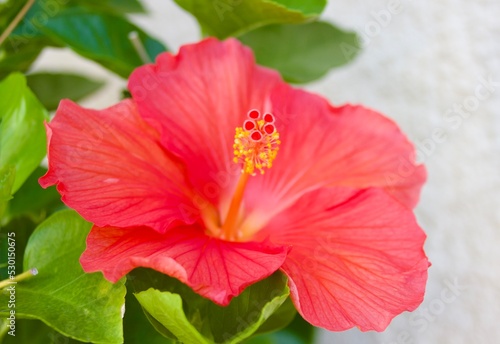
(18, 278)
(16, 20)
(139, 47)
(234, 207)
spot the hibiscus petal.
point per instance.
(356, 257)
(196, 99)
(216, 269)
(110, 167)
(327, 146)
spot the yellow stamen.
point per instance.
(256, 145)
(256, 148)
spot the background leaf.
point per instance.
(22, 227)
(308, 7)
(224, 18)
(114, 6)
(18, 55)
(79, 305)
(8, 10)
(298, 331)
(100, 20)
(33, 201)
(50, 88)
(204, 321)
(36, 332)
(102, 38)
(7, 177)
(166, 308)
(22, 134)
(137, 329)
(301, 53)
(280, 318)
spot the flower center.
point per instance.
(256, 145)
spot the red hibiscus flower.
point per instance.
(218, 173)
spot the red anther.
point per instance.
(254, 114)
(269, 128)
(256, 135)
(249, 125)
(269, 118)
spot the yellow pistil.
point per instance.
(256, 145)
(234, 208)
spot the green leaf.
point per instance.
(280, 318)
(302, 53)
(15, 53)
(22, 134)
(191, 318)
(22, 228)
(101, 37)
(33, 201)
(36, 332)
(114, 6)
(18, 54)
(7, 177)
(308, 7)
(29, 28)
(298, 331)
(137, 329)
(95, 29)
(8, 10)
(79, 305)
(224, 18)
(44, 10)
(166, 308)
(50, 88)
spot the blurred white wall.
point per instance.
(421, 65)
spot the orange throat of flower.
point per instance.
(256, 145)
